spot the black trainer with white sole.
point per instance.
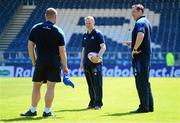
(29, 113)
(48, 114)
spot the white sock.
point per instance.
(33, 109)
(47, 110)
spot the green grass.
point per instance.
(120, 97)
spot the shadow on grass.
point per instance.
(22, 119)
(72, 110)
(120, 114)
(27, 119)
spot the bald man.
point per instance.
(51, 53)
(93, 41)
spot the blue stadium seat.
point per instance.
(7, 9)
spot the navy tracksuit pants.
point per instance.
(141, 70)
(93, 75)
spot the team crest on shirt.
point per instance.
(46, 27)
(92, 37)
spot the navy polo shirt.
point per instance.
(91, 43)
(144, 26)
(47, 38)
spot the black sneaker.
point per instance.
(29, 113)
(97, 108)
(48, 114)
(139, 110)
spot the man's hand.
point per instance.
(127, 43)
(66, 70)
(134, 52)
(96, 59)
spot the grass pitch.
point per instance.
(119, 98)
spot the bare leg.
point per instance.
(49, 94)
(36, 94)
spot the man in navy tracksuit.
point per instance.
(141, 50)
(93, 41)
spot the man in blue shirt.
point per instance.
(51, 53)
(141, 50)
(93, 41)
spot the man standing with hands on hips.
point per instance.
(141, 51)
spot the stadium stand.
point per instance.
(7, 9)
(113, 18)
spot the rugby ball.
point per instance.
(96, 58)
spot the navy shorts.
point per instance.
(44, 72)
